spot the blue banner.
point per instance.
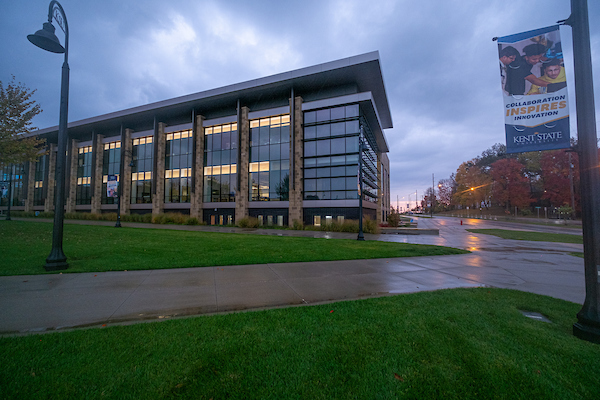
(534, 85)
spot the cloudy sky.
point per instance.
(439, 63)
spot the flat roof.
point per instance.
(363, 70)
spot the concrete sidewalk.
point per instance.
(38, 303)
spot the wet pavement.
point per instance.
(38, 303)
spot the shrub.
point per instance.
(192, 221)
(248, 222)
(298, 225)
(393, 218)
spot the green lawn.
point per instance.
(448, 344)
(533, 236)
(25, 245)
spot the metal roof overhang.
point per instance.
(363, 70)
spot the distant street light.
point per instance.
(47, 40)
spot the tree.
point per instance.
(472, 185)
(445, 191)
(16, 113)
(555, 174)
(511, 186)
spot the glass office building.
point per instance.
(280, 148)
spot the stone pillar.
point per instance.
(379, 190)
(158, 200)
(295, 210)
(197, 198)
(125, 177)
(51, 181)
(71, 178)
(241, 194)
(98, 152)
(30, 192)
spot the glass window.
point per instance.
(352, 127)
(352, 144)
(323, 172)
(269, 178)
(323, 131)
(310, 117)
(338, 146)
(323, 115)
(323, 147)
(310, 173)
(338, 129)
(310, 132)
(220, 180)
(310, 149)
(352, 111)
(338, 184)
(338, 113)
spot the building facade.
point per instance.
(281, 148)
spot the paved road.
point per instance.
(51, 302)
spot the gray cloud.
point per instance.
(439, 63)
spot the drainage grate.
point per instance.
(535, 315)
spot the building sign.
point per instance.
(534, 85)
(111, 186)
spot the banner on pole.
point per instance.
(111, 186)
(534, 85)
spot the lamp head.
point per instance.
(46, 39)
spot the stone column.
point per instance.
(241, 194)
(125, 177)
(158, 200)
(51, 181)
(71, 178)
(198, 170)
(98, 152)
(295, 210)
(379, 190)
(30, 192)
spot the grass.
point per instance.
(450, 344)
(532, 236)
(25, 245)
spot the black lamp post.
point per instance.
(47, 40)
(588, 325)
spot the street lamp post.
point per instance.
(47, 40)
(588, 325)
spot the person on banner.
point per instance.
(519, 71)
(554, 73)
(507, 56)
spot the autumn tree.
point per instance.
(556, 170)
(511, 186)
(472, 185)
(445, 190)
(17, 110)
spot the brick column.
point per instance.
(51, 181)
(125, 177)
(158, 200)
(98, 152)
(30, 168)
(71, 178)
(241, 194)
(295, 210)
(198, 170)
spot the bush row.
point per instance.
(369, 226)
